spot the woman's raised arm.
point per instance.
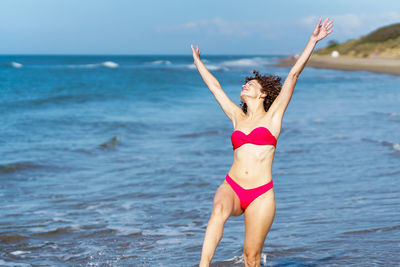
(230, 108)
(281, 102)
(319, 33)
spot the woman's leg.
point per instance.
(226, 203)
(258, 219)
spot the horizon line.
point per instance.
(56, 54)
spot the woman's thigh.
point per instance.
(226, 201)
(258, 217)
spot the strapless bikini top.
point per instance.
(259, 136)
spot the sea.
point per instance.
(115, 160)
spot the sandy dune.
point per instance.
(377, 65)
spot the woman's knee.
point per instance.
(221, 211)
(252, 258)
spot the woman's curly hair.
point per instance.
(271, 86)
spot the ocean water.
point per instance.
(114, 161)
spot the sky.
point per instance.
(166, 27)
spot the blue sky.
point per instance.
(170, 26)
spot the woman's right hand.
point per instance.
(321, 31)
(196, 53)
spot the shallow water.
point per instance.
(114, 160)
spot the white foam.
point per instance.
(83, 66)
(109, 64)
(191, 66)
(127, 205)
(61, 219)
(73, 227)
(16, 65)
(245, 62)
(396, 146)
(238, 63)
(264, 256)
(125, 230)
(209, 67)
(19, 252)
(161, 62)
(237, 259)
(94, 207)
(214, 67)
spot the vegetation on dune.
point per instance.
(383, 42)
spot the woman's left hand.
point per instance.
(321, 31)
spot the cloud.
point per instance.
(221, 27)
(351, 25)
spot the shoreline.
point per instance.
(376, 65)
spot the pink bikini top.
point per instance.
(259, 136)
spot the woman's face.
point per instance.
(251, 89)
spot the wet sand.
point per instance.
(377, 65)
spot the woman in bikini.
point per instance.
(248, 186)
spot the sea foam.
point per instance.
(16, 65)
(245, 62)
(107, 64)
(161, 62)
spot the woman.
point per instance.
(248, 186)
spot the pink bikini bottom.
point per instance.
(246, 196)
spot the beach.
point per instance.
(115, 160)
(376, 65)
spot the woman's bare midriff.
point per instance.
(252, 165)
